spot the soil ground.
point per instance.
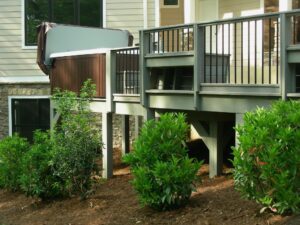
(214, 203)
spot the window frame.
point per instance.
(11, 98)
(23, 23)
(163, 6)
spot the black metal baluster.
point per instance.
(210, 54)
(204, 55)
(177, 40)
(217, 53)
(125, 72)
(277, 51)
(229, 53)
(263, 54)
(249, 52)
(163, 42)
(168, 41)
(255, 52)
(172, 40)
(138, 70)
(188, 38)
(270, 24)
(182, 37)
(242, 53)
(117, 72)
(235, 53)
(223, 53)
(158, 51)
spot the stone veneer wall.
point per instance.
(7, 90)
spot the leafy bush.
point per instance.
(12, 150)
(76, 140)
(267, 161)
(163, 173)
(37, 177)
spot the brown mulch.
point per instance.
(115, 202)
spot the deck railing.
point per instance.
(171, 39)
(245, 50)
(127, 71)
(242, 51)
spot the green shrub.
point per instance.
(267, 161)
(163, 173)
(37, 177)
(76, 140)
(12, 150)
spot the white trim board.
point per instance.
(20, 97)
(24, 79)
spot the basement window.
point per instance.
(28, 115)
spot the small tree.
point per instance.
(76, 139)
(267, 161)
(163, 173)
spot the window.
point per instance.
(75, 12)
(27, 115)
(170, 2)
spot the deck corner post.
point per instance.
(144, 73)
(125, 134)
(199, 57)
(110, 79)
(285, 40)
(107, 151)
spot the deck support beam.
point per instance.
(212, 138)
(137, 126)
(107, 151)
(125, 134)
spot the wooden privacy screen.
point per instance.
(69, 72)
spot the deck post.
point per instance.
(107, 151)
(215, 149)
(212, 138)
(125, 134)
(239, 120)
(199, 57)
(110, 79)
(149, 114)
(144, 72)
(137, 126)
(285, 40)
(54, 115)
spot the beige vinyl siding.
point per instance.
(14, 61)
(151, 13)
(127, 14)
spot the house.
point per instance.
(226, 57)
(24, 88)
